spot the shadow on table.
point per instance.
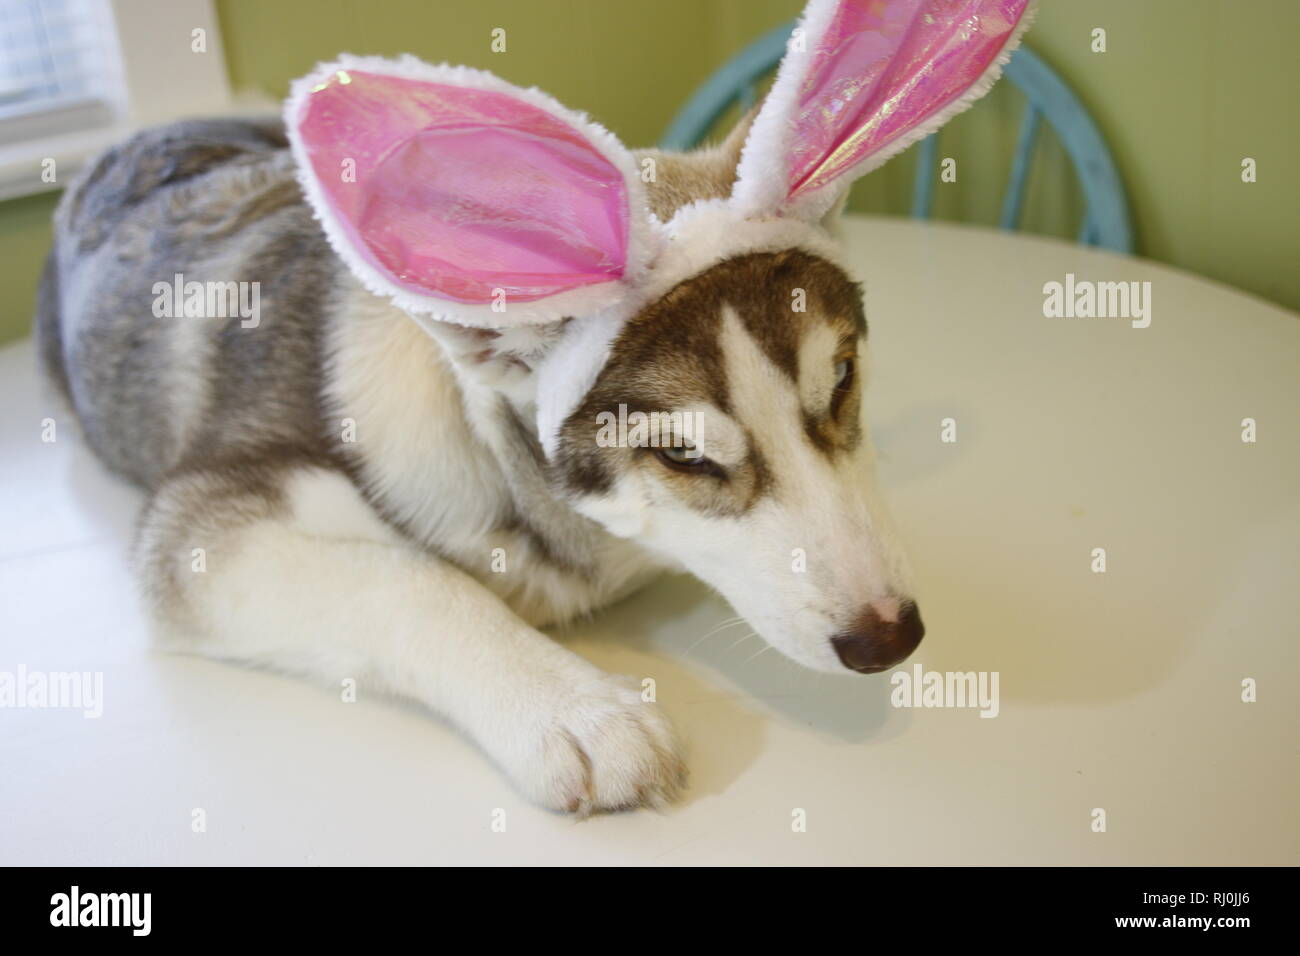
(682, 622)
(104, 501)
(909, 445)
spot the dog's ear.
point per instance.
(734, 143)
(860, 82)
(707, 171)
(466, 199)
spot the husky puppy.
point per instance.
(339, 490)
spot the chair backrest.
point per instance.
(1106, 217)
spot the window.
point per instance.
(78, 75)
(58, 68)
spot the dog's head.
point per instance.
(695, 353)
(726, 431)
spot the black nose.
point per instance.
(874, 644)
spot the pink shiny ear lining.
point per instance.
(882, 69)
(464, 193)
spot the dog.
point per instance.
(350, 484)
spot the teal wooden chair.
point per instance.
(1106, 220)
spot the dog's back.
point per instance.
(209, 201)
(165, 397)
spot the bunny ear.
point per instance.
(861, 81)
(464, 197)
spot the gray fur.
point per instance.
(212, 200)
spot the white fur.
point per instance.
(422, 430)
(351, 600)
(832, 512)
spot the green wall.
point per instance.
(24, 238)
(1186, 89)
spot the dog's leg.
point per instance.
(290, 568)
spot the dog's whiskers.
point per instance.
(743, 639)
(721, 627)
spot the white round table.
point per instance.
(1119, 691)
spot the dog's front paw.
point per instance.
(600, 747)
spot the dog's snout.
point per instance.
(880, 639)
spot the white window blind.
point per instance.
(78, 75)
(59, 67)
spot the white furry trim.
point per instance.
(569, 370)
(762, 175)
(762, 181)
(707, 231)
(585, 301)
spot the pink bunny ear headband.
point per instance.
(466, 199)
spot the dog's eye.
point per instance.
(845, 370)
(843, 373)
(685, 458)
(681, 454)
